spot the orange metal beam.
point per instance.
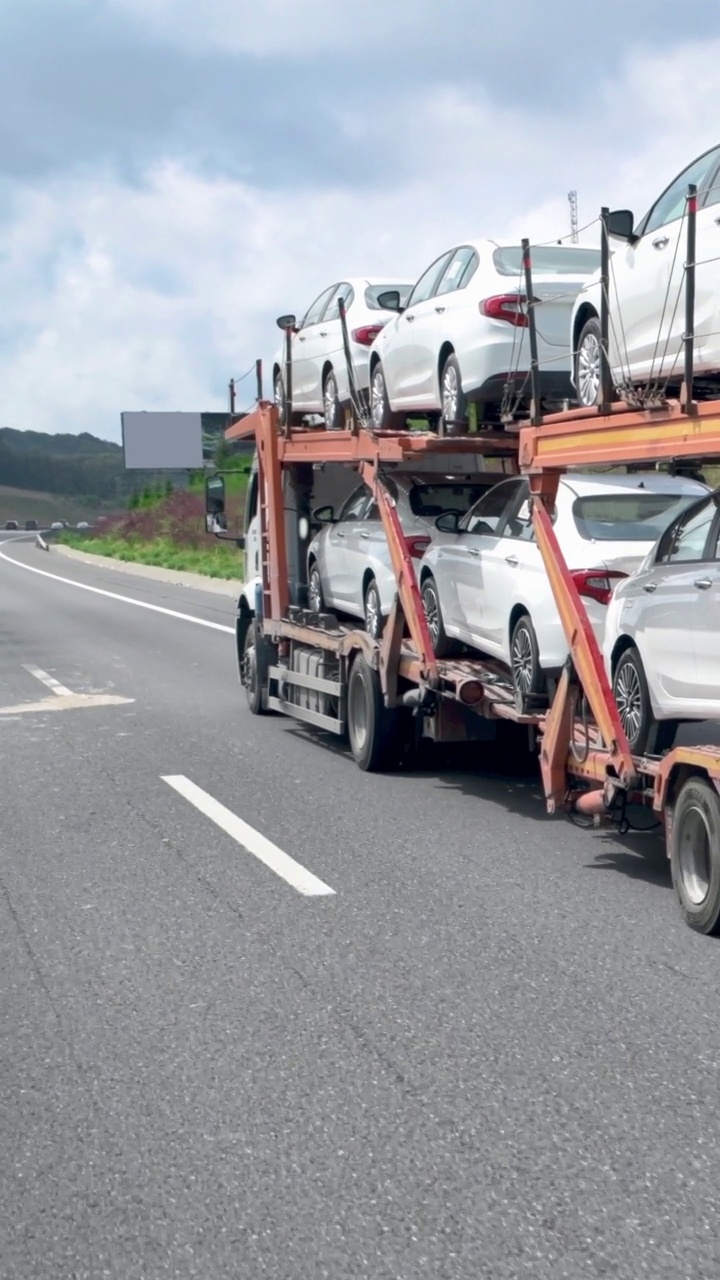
(275, 571)
(584, 651)
(408, 590)
(586, 438)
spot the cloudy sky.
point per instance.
(176, 173)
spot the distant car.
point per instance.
(647, 310)
(663, 632)
(57, 524)
(31, 524)
(349, 568)
(11, 524)
(82, 524)
(462, 336)
(484, 583)
(319, 369)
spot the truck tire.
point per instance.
(695, 854)
(375, 731)
(249, 675)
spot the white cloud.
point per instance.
(141, 298)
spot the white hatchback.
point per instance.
(663, 632)
(483, 579)
(647, 294)
(462, 337)
(320, 384)
(349, 567)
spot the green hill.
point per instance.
(81, 467)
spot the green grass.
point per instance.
(218, 561)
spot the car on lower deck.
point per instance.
(463, 335)
(662, 637)
(349, 567)
(484, 583)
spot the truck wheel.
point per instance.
(374, 730)
(695, 854)
(249, 674)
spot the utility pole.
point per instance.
(573, 202)
(231, 389)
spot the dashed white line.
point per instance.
(114, 595)
(264, 850)
(58, 689)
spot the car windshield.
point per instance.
(373, 291)
(628, 517)
(549, 260)
(435, 499)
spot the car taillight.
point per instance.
(366, 334)
(417, 546)
(506, 306)
(597, 584)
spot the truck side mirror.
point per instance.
(215, 496)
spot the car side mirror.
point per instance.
(286, 322)
(324, 515)
(448, 522)
(620, 225)
(390, 300)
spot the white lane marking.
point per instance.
(269, 854)
(58, 689)
(69, 702)
(114, 595)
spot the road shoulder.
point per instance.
(177, 577)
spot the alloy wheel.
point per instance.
(588, 370)
(377, 398)
(450, 393)
(629, 699)
(522, 661)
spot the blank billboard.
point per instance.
(162, 441)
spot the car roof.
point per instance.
(653, 481)
(361, 282)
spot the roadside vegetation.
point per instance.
(165, 527)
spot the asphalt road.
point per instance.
(492, 1051)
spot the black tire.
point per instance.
(382, 416)
(587, 364)
(529, 680)
(316, 600)
(454, 415)
(632, 696)
(374, 730)
(442, 645)
(331, 404)
(374, 621)
(249, 673)
(279, 397)
(695, 854)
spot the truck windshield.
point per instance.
(628, 517)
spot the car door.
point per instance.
(664, 608)
(703, 619)
(707, 271)
(343, 551)
(307, 350)
(645, 278)
(475, 567)
(400, 355)
(434, 323)
(330, 346)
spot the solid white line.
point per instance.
(50, 681)
(114, 595)
(269, 854)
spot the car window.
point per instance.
(635, 516)
(426, 284)
(671, 204)
(431, 500)
(375, 291)
(459, 271)
(488, 515)
(315, 313)
(355, 505)
(687, 538)
(344, 291)
(519, 523)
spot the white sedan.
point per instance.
(647, 293)
(462, 337)
(320, 384)
(663, 626)
(483, 580)
(349, 567)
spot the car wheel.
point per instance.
(695, 854)
(587, 364)
(316, 603)
(632, 697)
(453, 399)
(528, 676)
(433, 615)
(279, 397)
(383, 417)
(374, 621)
(331, 404)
